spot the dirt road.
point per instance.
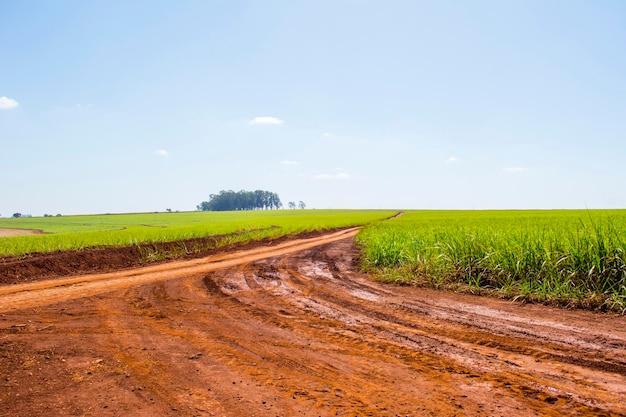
(297, 332)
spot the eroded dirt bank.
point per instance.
(304, 335)
(42, 266)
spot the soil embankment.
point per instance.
(42, 266)
(296, 331)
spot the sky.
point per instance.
(117, 106)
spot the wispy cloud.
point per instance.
(338, 176)
(8, 103)
(515, 169)
(328, 135)
(285, 162)
(266, 120)
(163, 152)
(452, 160)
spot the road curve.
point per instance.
(36, 294)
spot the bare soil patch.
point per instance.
(301, 334)
(19, 232)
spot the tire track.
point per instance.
(47, 292)
(302, 334)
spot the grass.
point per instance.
(573, 258)
(78, 232)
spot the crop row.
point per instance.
(568, 257)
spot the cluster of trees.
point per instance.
(241, 200)
(292, 205)
(18, 215)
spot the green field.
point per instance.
(78, 232)
(570, 257)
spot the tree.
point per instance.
(292, 205)
(16, 215)
(302, 205)
(241, 200)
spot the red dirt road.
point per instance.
(296, 332)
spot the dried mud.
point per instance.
(301, 333)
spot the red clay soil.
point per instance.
(41, 266)
(298, 333)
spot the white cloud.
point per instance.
(452, 160)
(328, 135)
(515, 169)
(8, 103)
(285, 162)
(162, 152)
(266, 120)
(338, 176)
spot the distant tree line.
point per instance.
(18, 215)
(241, 200)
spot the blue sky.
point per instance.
(124, 106)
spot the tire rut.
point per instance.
(303, 334)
